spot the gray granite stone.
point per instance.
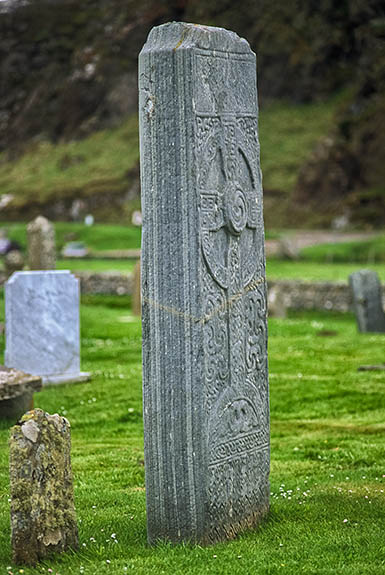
(367, 301)
(41, 244)
(205, 374)
(42, 325)
(43, 517)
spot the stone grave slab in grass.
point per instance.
(367, 301)
(205, 374)
(43, 517)
(16, 392)
(42, 325)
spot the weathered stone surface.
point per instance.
(367, 301)
(16, 392)
(276, 302)
(205, 376)
(41, 244)
(43, 516)
(13, 262)
(42, 325)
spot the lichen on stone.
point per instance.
(43, 516)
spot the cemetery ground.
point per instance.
(327, 455)
(324, 262)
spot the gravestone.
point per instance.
(42, 325)
(13, 261)
(276, 304)
(16, 392)
(41, 244)
(205, 374)
(43, 517)
(367, 301)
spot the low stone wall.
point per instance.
(330, 296)
(314, 296)
(109, 283)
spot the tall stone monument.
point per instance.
(367, 301)
(42, 325)
(41, 244)
(205, 374)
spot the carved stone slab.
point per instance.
(367, 301)
(205, 375)
(42, 325)
(42, 504)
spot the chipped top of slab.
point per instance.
(182, 36)
(14, 382)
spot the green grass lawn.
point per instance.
(98, 237)
(327, 448)
(97, 265)
(96, 164)
(326, 262)
(368, 252)
(316, 271)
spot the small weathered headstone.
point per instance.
(136, 291)
(367, 301)
(41, 244)
(42, 325)
(276, 302)
(205, 375)
(16, 392)
(13, 262)
(288, 249)
(43, 518)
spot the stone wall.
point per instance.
(109, 283)
(300, 295)
(297, 295)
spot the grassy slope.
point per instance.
(95, 164)
(288, 134)
(327, 472)
(365, 251)
(98, 164)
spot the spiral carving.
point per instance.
(236, 210)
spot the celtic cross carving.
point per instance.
(228, 186)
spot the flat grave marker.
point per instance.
(367, 301)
